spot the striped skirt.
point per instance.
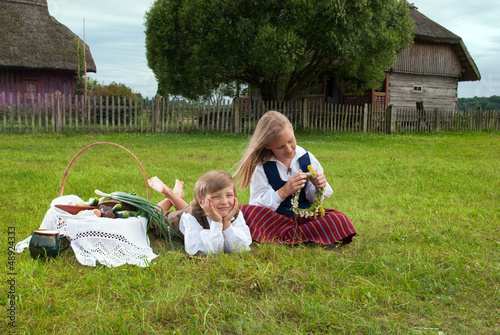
(267, 226)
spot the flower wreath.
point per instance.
(316, 208)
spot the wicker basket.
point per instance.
(61, 189)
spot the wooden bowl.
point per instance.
(73, 209)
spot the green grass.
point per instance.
(426, 259)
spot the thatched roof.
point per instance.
(31, 38)
(428, 30)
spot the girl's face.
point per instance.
(283, 146)
(222, 200)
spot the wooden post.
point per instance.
(237, 117)
(19, 110)
(118, 113)
(157, 113)
(58, 112)
(153, 115)
(146, 115)
(11, 102)
(479, 118)
(107, 113)
(365, 118)
(305, 115)
(420, 115)
(83, 110)
(437, 120)
(112, 113)
(389, 124)
(100, 113)
(4, 112)
(135, 113)
(130, 115)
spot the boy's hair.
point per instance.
(211, 182)
(270, 125)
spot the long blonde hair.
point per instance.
(270, 125)
(211, 182)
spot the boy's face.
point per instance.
(222, 200)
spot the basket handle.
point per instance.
(99, 143)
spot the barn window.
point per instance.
(31, 91)
(418, 88)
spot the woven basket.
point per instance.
(61, 189)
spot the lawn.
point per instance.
(426, 259)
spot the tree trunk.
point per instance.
(269, 91)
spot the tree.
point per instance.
(112, 90)
(491, 103)
(282, 47)
(117, 92)
(225, 91)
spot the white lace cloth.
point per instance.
(111, 242)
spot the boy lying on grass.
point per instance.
(212, 223)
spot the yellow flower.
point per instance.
(317, 206)
(312, 172)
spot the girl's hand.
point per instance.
(318, 180)
(295, 183)
(210, 211)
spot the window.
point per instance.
(31, 88)
(31, 91)
(418, 88)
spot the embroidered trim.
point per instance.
(105, 235)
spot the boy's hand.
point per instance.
(230, 215)
(210, 211)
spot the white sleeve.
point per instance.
(198, 239)
(237, 236)
(310, 189)
(261, 192)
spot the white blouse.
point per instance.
(263, 194)
(236, 237)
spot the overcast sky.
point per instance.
(114, 30)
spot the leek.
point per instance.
(152, 211)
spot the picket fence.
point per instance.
(58, 112)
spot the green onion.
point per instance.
(152, 211)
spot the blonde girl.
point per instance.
(212, 222)
(274, 167)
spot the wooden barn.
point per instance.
(38, 54)
(427, 72)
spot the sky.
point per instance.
(114, 31)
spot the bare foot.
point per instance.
(178, 188)
(156, 184)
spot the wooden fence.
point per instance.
(56, 112)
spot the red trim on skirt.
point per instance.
(267, 226)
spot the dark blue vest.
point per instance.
(276, 183)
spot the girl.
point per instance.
(274, 167)
(211, 223)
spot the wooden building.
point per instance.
(38, 54)
(427, 72)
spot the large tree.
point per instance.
(282, 47)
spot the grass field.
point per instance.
(426, 259)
